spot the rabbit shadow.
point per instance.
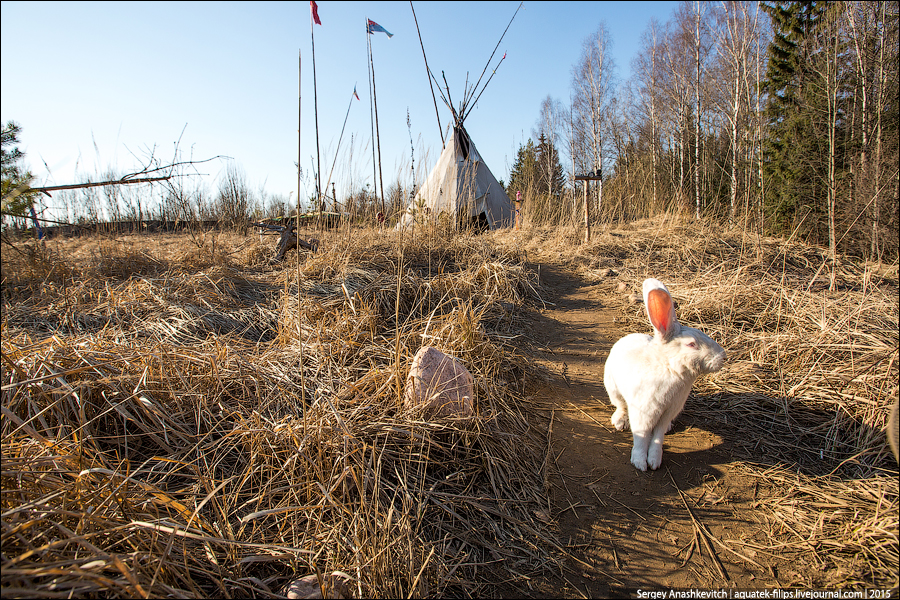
(628, 523)
(777, 431)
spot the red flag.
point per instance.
(354, 92)
(315, 12)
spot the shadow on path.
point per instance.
(624, 529)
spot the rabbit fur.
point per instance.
(648, 378)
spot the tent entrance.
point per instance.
(481, 222)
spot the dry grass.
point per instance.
(165, 432)
(812, 373)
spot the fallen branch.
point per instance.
(78, 186)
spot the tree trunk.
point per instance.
(681, 131)
(831, 88)
(859, 30)
(759, 141)
(735, 146)
(653, 123)
(875, 248)
(697, 132)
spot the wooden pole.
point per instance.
(337, 152)
(297, 230)
(299, 123)
(587, 206)
(377, 134)
(587, 214)
(78, 186)
(518, 207)
(316, 111)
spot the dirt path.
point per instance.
(624, 529)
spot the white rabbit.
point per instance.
(648, 379)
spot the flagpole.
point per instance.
(377, 133)
(299, 123)
(316, 111)
(297, 232)
(372, 118)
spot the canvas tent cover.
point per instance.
(462, 186)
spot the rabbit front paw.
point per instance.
(620, 419)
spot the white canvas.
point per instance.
(462, 187)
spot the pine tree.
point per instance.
(791, 148)
(17, 201)
(551, 180)
(523, 177)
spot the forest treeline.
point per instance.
(778, 117)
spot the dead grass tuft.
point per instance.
(187, 425)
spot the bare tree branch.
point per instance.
(77, 186)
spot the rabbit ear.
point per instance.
(660, 309)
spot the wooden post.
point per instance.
(587, 214)
(518, 208)
(299, 155)
(587, 208)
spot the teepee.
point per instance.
(462, 187)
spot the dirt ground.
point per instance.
(623, 530)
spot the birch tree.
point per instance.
(694, 35)
(592, 85)
(736, 34)
(647, 71)
(676, 90)
(869, 37)
(548, 127)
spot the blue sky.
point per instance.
(98, 85)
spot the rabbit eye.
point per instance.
(692, 344)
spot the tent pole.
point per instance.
(427, 71)
(495, 51)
